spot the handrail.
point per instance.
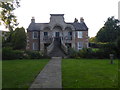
(63, 46)
(50, 47)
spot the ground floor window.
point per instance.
(80, 45)
(68, 45)
(35, 46)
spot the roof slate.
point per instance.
(78, 26)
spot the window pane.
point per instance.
(79, 34)
(45, 33)
(69, 33)
(35, 35)
(35, 46)
(80, 45)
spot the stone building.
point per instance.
(54, 38)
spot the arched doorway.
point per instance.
(57, 31)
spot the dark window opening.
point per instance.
(68, 45)
(45, 33)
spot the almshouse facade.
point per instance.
(44, 36)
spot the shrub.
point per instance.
(9, 54)
(72, 53)
(89, 53)
(86, 53)
(35, 55)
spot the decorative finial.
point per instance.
(76, 20)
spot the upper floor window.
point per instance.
(70, 35)
(45, 34)
(35, 35)
(79, 33)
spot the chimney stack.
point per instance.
(33, 19)
(81, 19)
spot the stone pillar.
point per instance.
(73, 39)
(41, 42)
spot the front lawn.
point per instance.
(85, 73)
(20, 73)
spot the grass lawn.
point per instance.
(84, 73)
(20, 73)
(0, 74)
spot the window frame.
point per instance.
(80, 45)
(79, 34)
(46, 35)
(34, 47)
(35, 37)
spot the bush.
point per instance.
(90, 53)
(72, 53)
(35, 55)
(9, 54)
(85, 53)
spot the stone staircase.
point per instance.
(57, 50)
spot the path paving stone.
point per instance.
(50, 76)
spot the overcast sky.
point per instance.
(94, 12)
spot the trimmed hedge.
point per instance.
(9, 54)
(92, 53)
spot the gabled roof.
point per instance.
(80, 26)
(35, 26)
(39, 26)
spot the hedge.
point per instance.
(9, 54)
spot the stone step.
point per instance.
(57, 51)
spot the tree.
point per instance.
(19, 38)
(92, 39)
(7, 18)
(6, 14)
(118, 42)
(110, 31)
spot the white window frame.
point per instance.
(34, 35)
(80, 45)
(80, 34)
(34, 47)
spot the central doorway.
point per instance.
(57, 34)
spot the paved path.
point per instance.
(50, 76)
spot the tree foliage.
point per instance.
(110, 31)
(118, 42)
(92, 39)
(19, 38)
(7, 16)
